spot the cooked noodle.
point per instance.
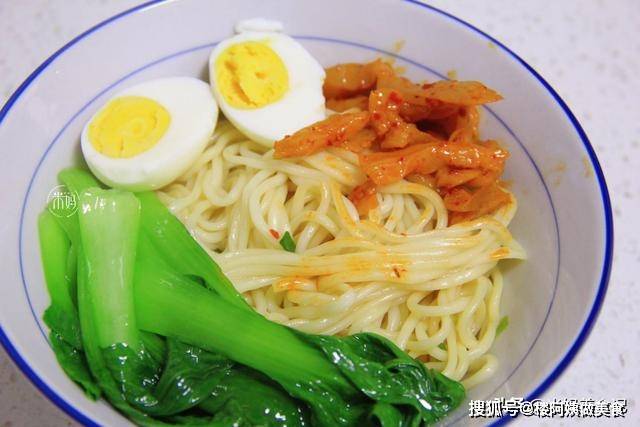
(402, 273)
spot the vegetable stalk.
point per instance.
(109, 222)
(175, 306)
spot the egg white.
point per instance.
(193, 116)
(303, 103)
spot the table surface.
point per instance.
(588, 52)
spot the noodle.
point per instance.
(401, 272)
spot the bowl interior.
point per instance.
(560, 222)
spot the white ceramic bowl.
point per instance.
(564, 220)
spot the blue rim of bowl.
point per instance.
(606, 270)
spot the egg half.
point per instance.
(148, 135)
(267, 84)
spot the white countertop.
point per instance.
(588, 50)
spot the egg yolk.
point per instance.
(128, 126)
(251, 75)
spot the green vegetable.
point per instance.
(502, 325)
(61, 317)
(287, 242)
(155, 345)
(247, 397)
(54, 247)
(387, 374)
(250, 340)
(109, 222)
(177, 306)
(77, 180)
(124, 376)
(176, 246)
(142, 316)
(334, 376)
(189, 377)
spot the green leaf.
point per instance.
(135, 373)
(387, 415)
(443, 346)
(65, 324)
(287, 242)
(385, 373)
(189, 377)
(155, 346)
(245, 397)
(67, 345)
(73, 363)
(502, 326)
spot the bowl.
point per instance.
(564, 219)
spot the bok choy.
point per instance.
(142, 316)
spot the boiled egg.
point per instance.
(148, 135)
(266, 83)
